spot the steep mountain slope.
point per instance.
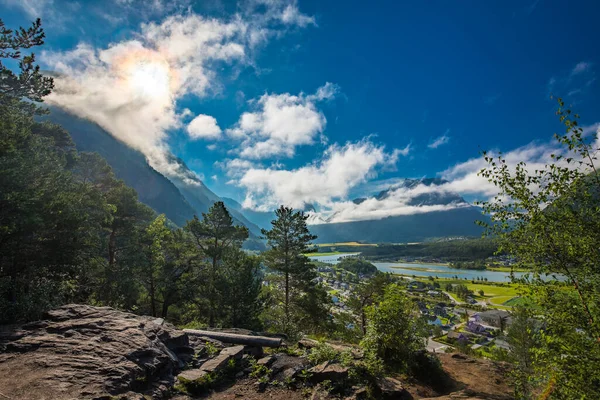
(201, 197)
(259, 218)
(153, 188)
(179, 200)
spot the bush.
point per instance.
(393, 333)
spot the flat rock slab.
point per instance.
(266, 361)
(392, 388)
(192, 375)
(87, 352)
(328, 371)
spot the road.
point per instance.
(453, 299)
(434, 346)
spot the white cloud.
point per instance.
(341, 169)
(291, 15)
(392, 206)
(33, 8)
(282, 11)
(405, 151)
(204, 127)
(463, 177)
(235, 168)
(131, 88)
(580, 68)
(280, 123)
(442, 140)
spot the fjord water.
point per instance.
(440, 271)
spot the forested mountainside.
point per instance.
(128, 164)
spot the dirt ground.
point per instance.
(475, 379)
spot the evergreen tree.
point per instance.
(215, 234)
(240, 285)
(29, 83)
(288, 240)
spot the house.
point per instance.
(497, 318)
(502, 344)
(441, 311)
(433, 292)
(416, 285)
(474, 327)
(458, 336)
(433, 320)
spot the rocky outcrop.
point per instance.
(89, 352)
(328, 371)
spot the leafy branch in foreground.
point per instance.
(29, 83)
(549, 219)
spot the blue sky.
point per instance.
(409, 88)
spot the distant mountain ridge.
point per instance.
(424, 199)
(457, 221)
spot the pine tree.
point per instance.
(288, 240)
(214, 235)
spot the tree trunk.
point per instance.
(234, 338)
(287, 296)
(112, 249)
(165, 308)
(152, 297)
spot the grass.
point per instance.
(330, 253)
(357, 244)
(499, 296)
(508, 269)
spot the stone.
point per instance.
(80, 351)
(255, 351)
(307, 343)
(283, 362)
(266, 361)
(328, 371)
(216, 364)
(235, 352)
(391, 388)
(192, 375)
(222, 359)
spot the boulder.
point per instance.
(391, 388)
(266, 361)
(222, 359)
(307, 343)
(328, 371)
(83, 352)
(283, 362)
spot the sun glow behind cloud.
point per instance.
(149, 78)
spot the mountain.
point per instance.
(423, 199)
(457, 221)
(261, 219)
(403, 228)
(153, 188)
(178, 198)
(201, 197)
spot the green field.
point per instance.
(330, 253)
(497, 296)
(508, 269)
(357, 244)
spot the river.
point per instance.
(441, 271)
